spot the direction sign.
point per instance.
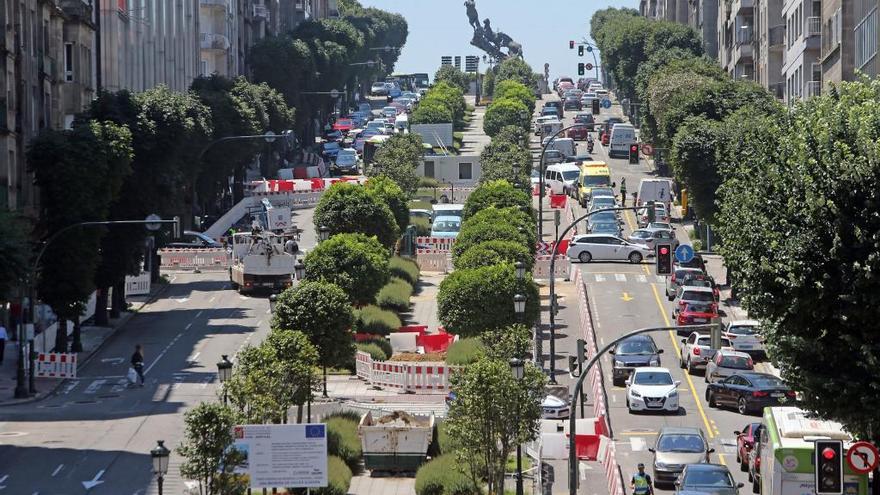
(862, 457)
(647, 149)
(606, 103)
(589, 66)
(154, 222)
(684, 253)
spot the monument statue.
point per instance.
(491, 42)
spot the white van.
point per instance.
(566, 146)
(658, 190)
(540, 121)
(448, 210)
(560, 177)
(402, 123)
(622, 137)
(551, 127)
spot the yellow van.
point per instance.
(593, 174)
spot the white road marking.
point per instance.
(113, 361)
(70, 386)
(57, 470)
(637, 444)
(4, 478)
(182, 300)
(620, 277)
(660, 279)
(207, 381)
(88, 485)
(212, 298)
(600, 278)
(173, 341)
(198, 314)
(642, 278)
(194, 358)
(187, 326)
(259, 322)
(92, 388)
(121, 385)
(613, 398)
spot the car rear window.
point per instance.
(743, 330)
(736, 362)
(700, 308)
(768, 382)
(692, 295)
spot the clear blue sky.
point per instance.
(440, 27)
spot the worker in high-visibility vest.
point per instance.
(641, 482)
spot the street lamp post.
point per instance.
(299, 269)
(519, 305)
(520, 268)
(517, 367)
(273, 300)
(224, 373)
(160, 455)
(541, 178)
(323, 233)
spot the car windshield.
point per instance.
(446, 226)
(603, 201)
(602, 192)
(692, 295)
(743, 330)
(736, 362)
(605, 227)
(705, 477)
(635, 347)
(641, 234)
(596, 180)
(695, 282)
(653, 378)
(681, 443)
(603, 217)
(681, 274)
(552, 154)
(768, 382)
(570, 174)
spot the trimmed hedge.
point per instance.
(395, 295)
(443, 476)
(338, 477)
(375, 352)
(497, 193)
(373, 319)
(381, 344)
(495, 253)
(496, 224)
(405, 268)
(465, 351)
(343, 441)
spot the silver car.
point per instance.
(553, 156)
(673, 282)
(706, 478)
(650, 236)
(676, 447)
(726, 363)
(589, 247)
(690, 294)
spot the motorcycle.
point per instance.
(590, 143)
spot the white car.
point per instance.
(745, 335)
(589, 247)
(696, 351)
(651, 389)
(554, 408)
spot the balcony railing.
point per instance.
(776, 35)
(814, 88)
(220, 4)
(814, 26)
(744, 36)
(212, 41)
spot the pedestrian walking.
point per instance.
(640, 484)
(622, 191)
(137, 362)
(3, 337)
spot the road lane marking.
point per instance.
(92, 388)
(212, 298)
(198, 314)
(194, 358)
(626, 297)
(57, 470)
(170, 344)
(630, 219)
(620, 277)
(637, 444)
(672, 337)
(600, 278)
(642, 278)
(187, 326)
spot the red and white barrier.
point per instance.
(403, 376)
(190, 259)
(541, 270)
(55, 365)
(433, 260)
(441, 243)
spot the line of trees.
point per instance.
(792, 194)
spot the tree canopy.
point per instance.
(356, 263)
(506, 112)
(452, 76)
(349, 208)
(397, 159)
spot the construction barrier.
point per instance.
(541, 271)
(546, 248)
(558, 201)
(441, 243)
(191, 259)
(433, 260)
(55, 365)
(137, 285)
(404, 377)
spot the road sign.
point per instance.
(684, 253)
(293, 455)
(606, 103)
(589, 66)
(647, 149)
(55, 365)
(862, 457)
(153, 226)
(334, 93)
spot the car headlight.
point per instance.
(655, 362)
(635, 394)
(661, 465)
(618, 364)
(673, 394)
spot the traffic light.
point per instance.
(595, 106)
(571, 45)
(634, 153)
(828, 463)
(580, 50)
(664, 259)
(580, 69)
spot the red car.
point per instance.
(578, 133)
(745, 442)
(343, 125)
(696, 313)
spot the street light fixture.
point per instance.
(273, 301)
(520, 268)
(519, 304)
(323, 233)
(224, 373)
(518, 369)
(299, 269)
(160, 462)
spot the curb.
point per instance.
(123, 321)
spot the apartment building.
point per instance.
(768, 46)
(865, 37)
(703, 18)
(218, 36)
(801, 70)
(736, 35)
(837, 56)
(46, 77)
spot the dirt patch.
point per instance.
(414, 356)
(401, 418)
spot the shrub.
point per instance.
(356, 263)
(343, 441)
(373, 319)
(465, 351)
(338, 477)
(375, 352)
(423, 226)
(347, 208)
(494, 253)
(497, 193)
(505, 112)
(345, 414)
(405, 268)
(381, 344)
(491, 224)
(395, 295)
(517, 91)
(384, 188)
(444, 475)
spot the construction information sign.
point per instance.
(292, 456)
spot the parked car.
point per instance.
(726, 363)
(631, 353)
(746, 336)
(194, 240)
(554, 408)
(714, 479)
(379, 89)
(346, 161)
(602, 247)
(651, 389)
(755, 459)
(746, 439)
(750, 392)
(676, 447)
(696, 351)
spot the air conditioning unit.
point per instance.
(261, 11)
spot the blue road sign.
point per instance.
(684, 253)
(606, 103)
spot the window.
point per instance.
(429, 169)
(465, 171)
(68, 62)
(866, 38)
(204, 67)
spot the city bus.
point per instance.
(786, 447)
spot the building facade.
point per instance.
(801, 70)
(218, 38)
(736, 35)
(703, 17)
(865, 36)
(768, 46)
(837, 56)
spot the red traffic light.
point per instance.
(634, 147)
(664, 250)
(828, 453)
(571, 45)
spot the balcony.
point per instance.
(261, 12)
(212, 41)
(743, 7)
(814, 88)
(813, 26)
(216, 4)
(776, 37)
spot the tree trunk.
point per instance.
(299, 413)
(117, 304)
(101, 307)
(61, 336)
(154, 266)
(77, 346)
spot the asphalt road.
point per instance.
(98, 429)
(624, 297)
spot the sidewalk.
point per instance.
(424, 302)
(93, 338)
(474, 137)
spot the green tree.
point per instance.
(489, 83)
(257, 388)
(320, 310)
(431, 112)
(491, 253)
(498, 160)
(491, 414)
(471, 302)
(507, 343)
(298, 359)
(397, 159)
(802, 249)
(452, 76)
(514, 69)
(515, 90)
(449, 96)
(349, 208)
(497, 193)
(693, 160)
(206, 450)
(354, 262)
(506, 112)
(14, 252)
(488, 224)
(513, 134)
(384, 188)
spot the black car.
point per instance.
(572, 103)
(194, 240)
(631, 353)
(557, 105)
(749, 392)
(586, 119)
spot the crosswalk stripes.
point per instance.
(600, 278)
(641, 278)
(622, 277)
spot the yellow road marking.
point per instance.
(630, 219)
(626, 297)
(672, 336)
